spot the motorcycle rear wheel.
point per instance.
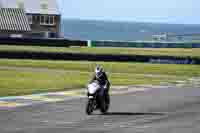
(104, 107)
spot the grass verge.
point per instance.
(110, 67)
(64, 75)
(13, 82)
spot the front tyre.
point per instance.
(89, 107)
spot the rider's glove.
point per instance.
(105, 86)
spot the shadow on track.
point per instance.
(130, 114)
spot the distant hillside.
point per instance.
(127, 31)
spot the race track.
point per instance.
(160, 110)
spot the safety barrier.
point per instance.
(98, 57)
(42, 42)
(143, 44)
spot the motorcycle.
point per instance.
(96, 100)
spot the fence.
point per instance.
(143, 44)
(98, 57)
(42, 42)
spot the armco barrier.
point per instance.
(144, 44)
(98, 57)
(42, 42)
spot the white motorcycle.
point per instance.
(96, 100)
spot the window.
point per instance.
(47, 20)
(42, 20)
(51, 20)
(36, 19)
(30, 19)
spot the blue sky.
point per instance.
(164, 11)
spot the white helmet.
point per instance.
(98, 71)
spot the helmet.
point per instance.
(98, 71)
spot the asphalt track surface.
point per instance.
(160, 110)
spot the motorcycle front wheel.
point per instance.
(89, 107)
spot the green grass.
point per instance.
(14, 82)
(178, 52)
(111, 67)
(45, 76)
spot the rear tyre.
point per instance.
(107, 99)
(104, 107)
(107, 102)
(89, 108)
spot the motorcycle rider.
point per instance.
(101, 77)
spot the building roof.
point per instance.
(33, 6)
(13, 19)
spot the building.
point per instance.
(177, 37)
(161, 37)
(43, 16)
(13, 23)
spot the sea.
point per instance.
(76, 29)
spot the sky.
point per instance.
(161, 11)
